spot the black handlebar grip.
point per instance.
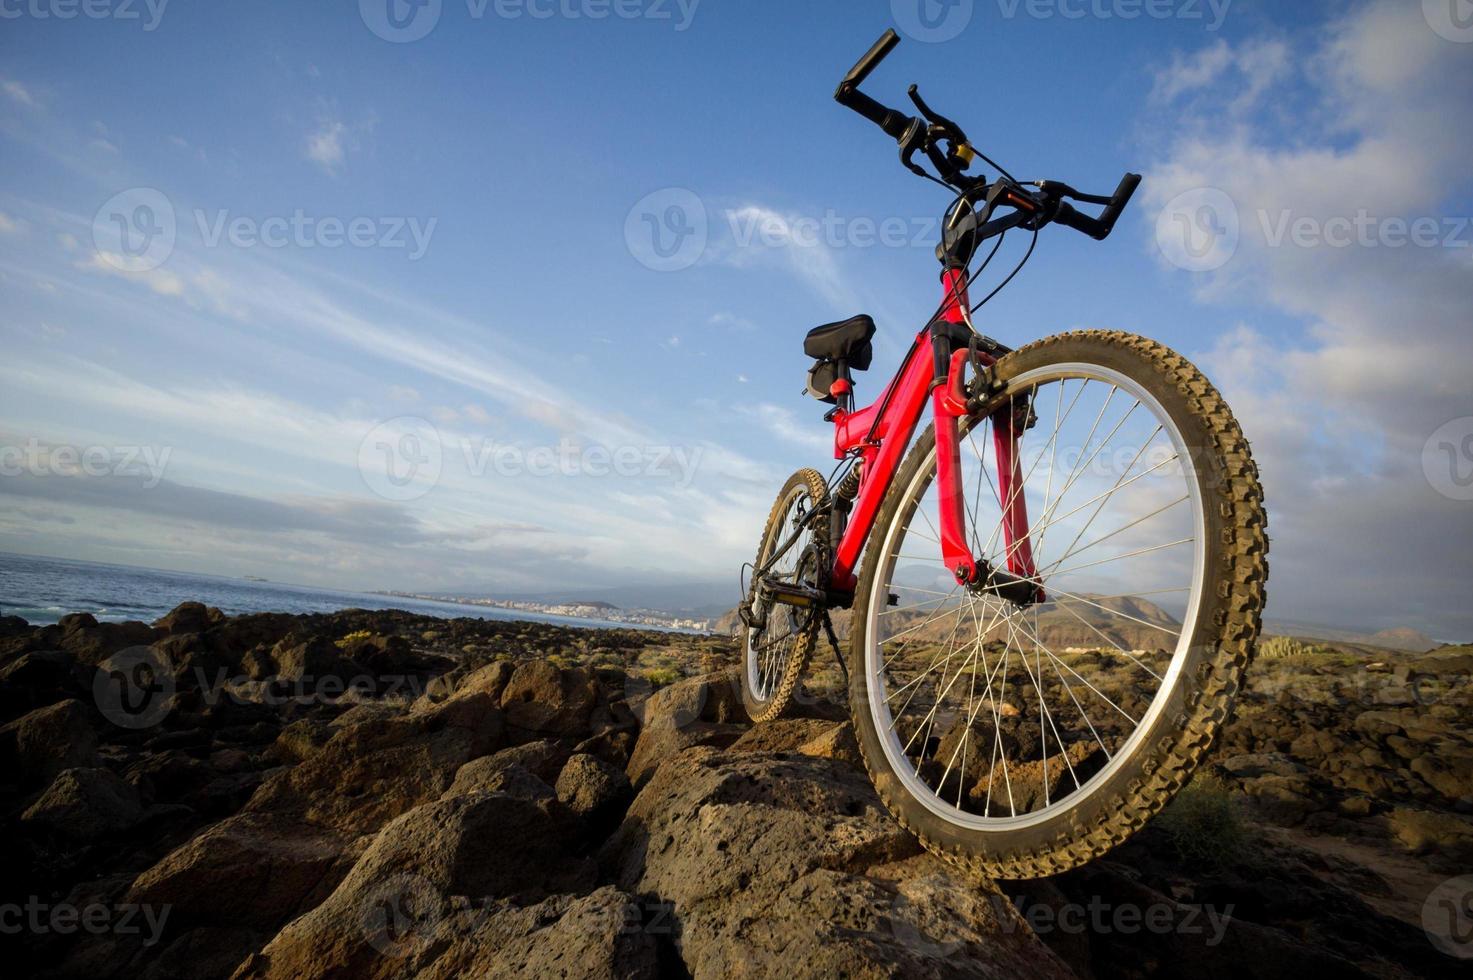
(1122, 197)
(1093, 227)
(872, 57)
(1100, 228)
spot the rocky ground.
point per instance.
(380, 794)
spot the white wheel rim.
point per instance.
(896, 756)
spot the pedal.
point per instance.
(790, 594)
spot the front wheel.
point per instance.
(1025, 739)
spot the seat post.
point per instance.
(843, 387)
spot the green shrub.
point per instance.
(663, 676)
(1204, 822)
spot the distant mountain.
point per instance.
(1402, 638)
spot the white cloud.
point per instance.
(325, 146)
(1339, 417)
(9, 225)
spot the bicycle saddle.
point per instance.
(846, 340)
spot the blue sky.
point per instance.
(267, 378)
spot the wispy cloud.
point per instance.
(18, 93)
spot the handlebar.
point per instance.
(914, 135)
(896, 124)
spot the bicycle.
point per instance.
(1025, 693)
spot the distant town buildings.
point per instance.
(577, 610)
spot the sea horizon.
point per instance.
(41, 589)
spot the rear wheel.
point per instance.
(1023, 740)
(776, 650)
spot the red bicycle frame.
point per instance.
(882, 432)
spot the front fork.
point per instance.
(1018, 583)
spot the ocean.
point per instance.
(42, 590)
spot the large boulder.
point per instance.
(485, 775)
(40, 678)
(596, 935)
(790, 865)
(309, 660)
(369, 773)
(381, 656)
(430, 876)
(543, 698)
(42, 743)
(490, 679)
(252, 870)
(189, 617)
(92, 642)
(1445, 837)
(782, 735)
(693, 712)
(593, 790)
(87, 804)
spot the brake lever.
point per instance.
(959, 153)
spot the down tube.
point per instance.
(897, 428)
